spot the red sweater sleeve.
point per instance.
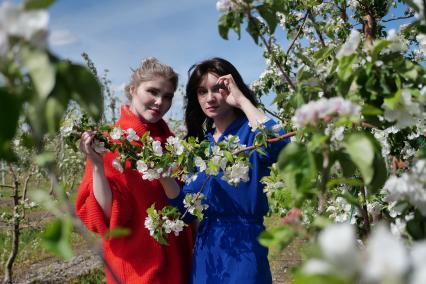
(89, 210)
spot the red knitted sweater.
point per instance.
(136, 258)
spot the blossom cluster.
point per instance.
(324, 110)
(154, 160)
(410, 187)
(226, 6)
(182, 159)
(15, 21)
(162, 222)
(406, 113)
(383, 259)
(193, 203)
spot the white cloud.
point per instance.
(60, 37)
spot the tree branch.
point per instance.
(398, 18)
(297, 36)
(272, 140)
(312, 18)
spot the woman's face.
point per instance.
(152, 99)
(212, 102)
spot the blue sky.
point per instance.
(118, 34)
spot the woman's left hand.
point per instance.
(233, 94)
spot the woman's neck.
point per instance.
(221, 123)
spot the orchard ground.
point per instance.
(34, 264)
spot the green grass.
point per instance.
(272, 222)
(95, 276)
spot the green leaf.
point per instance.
(37, 4)
(54, 111)
(253, 29)
(371, 110)
(41, 70)
(56, 237)
(228, 156)
(223, 27)
(117, 232)
(379, 46)
(348, 167)
(361, 151)
(299, 165)
(268, 14)
(280, 236)
(86, 90)
(392, 102)
(380, 173)
(416, 227)
(10, 109)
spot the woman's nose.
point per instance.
(158, 101)
(210, 96)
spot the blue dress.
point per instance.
(226, 247)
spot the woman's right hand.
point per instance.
(86, 142)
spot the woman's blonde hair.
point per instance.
(148, 69)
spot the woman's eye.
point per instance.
(201, 92)
(152, 92)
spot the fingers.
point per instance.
(226, 80)
(86, 142)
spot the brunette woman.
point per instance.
(226, 249)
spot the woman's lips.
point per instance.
(211, 108)
(155, 111)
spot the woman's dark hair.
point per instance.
(197, 123)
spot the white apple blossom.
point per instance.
(405, 113)
(259, 124)
(314, 111)
(421, 14)
(387, 258)
(225, 6)
(354, 4)
(15, 21)
(141, 166)
(382, 137)
(200, 164)
(188, 178)
(116, 133)
(317, 266)
(399, 44)
(421, 39)
(66, 129)
(236, 173)
(150, 222)
(117, 165)
(341, 211)
(176, 144)
(151, 174)
(418, 260)
(409, 186)
(193, 203)
(398, 227)
(338, 245)
(156, 147)
(131, 135)
(351, 44)
(175, 226)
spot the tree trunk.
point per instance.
(369, 28)
(8, 274)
